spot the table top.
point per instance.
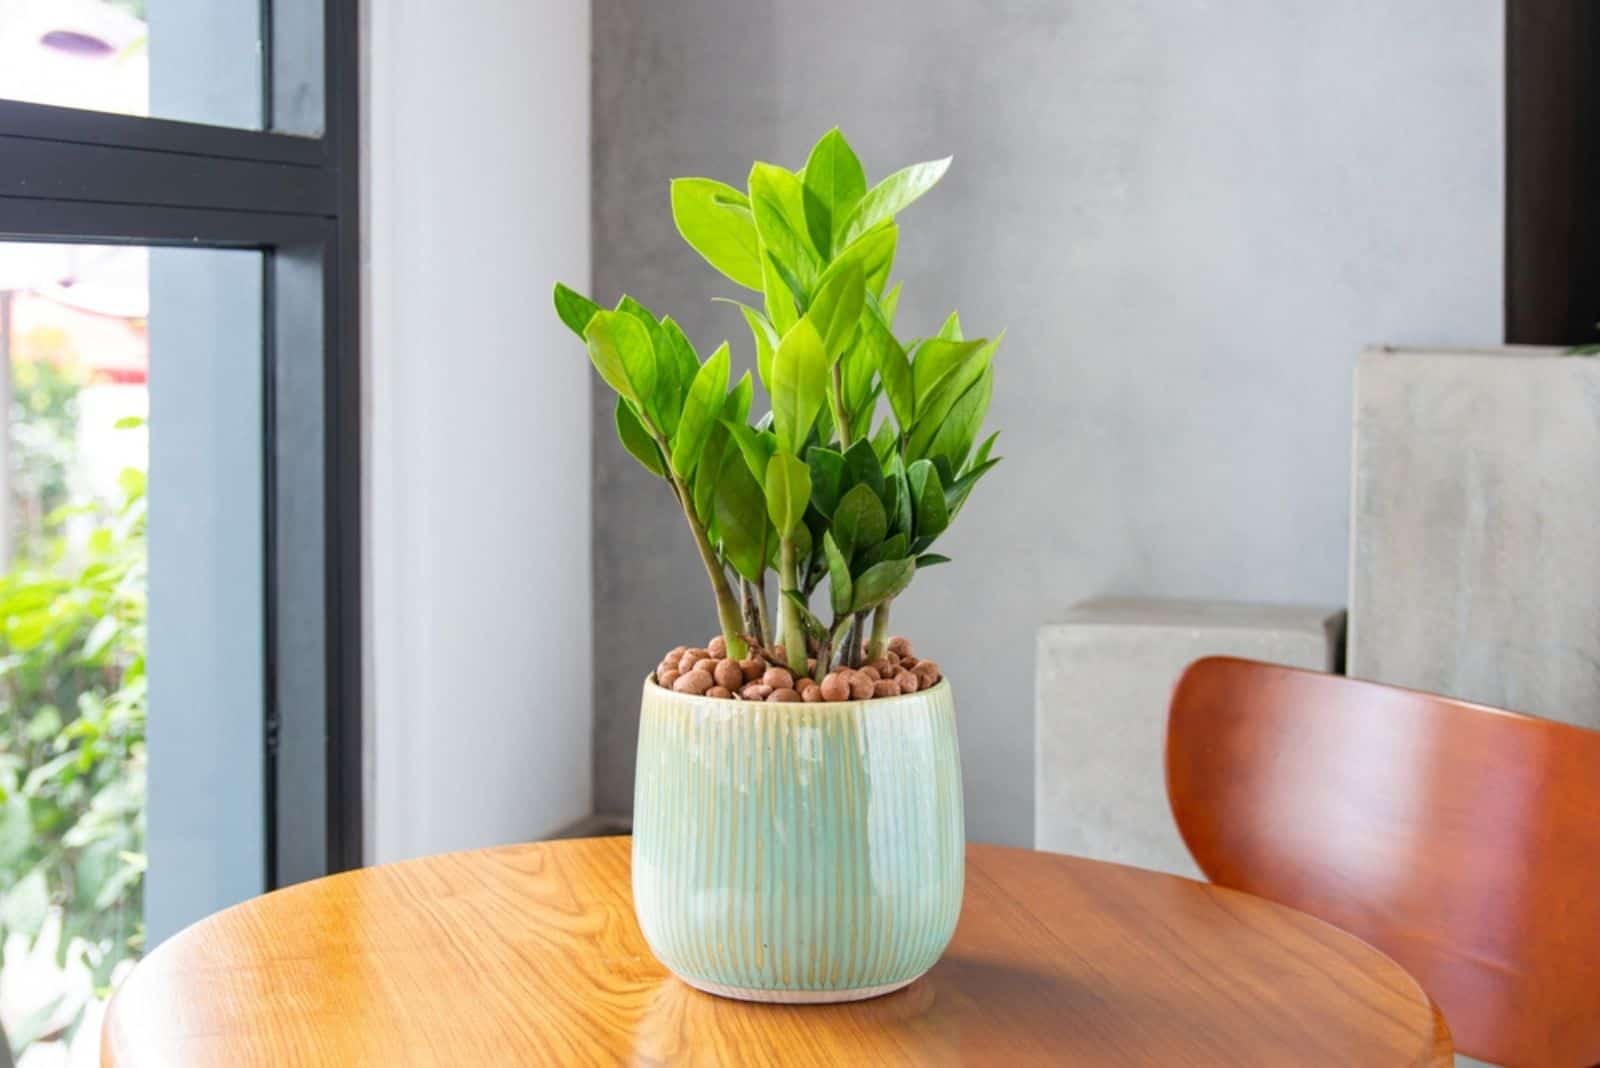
(530, 955)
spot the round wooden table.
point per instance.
(530, 955)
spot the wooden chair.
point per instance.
(1464, 841)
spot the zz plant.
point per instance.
(870, 448)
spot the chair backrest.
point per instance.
(1461, 840)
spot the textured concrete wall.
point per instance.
(1105, 680)
(1189, 216)
(1476, 566)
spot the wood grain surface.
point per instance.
(1461, 840)
(530, 955)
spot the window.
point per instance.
(179, 541)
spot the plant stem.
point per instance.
(852, 641)
(794, 633)
(727, 603)
(880, 632)
(761, 611)
(836, 404)
(754, 622)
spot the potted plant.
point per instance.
(798, 817)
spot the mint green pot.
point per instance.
(798, 852)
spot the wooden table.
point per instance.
(530, 955)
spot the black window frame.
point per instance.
(69, 175)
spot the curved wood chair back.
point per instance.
(1461, 840)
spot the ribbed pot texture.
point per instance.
(798, 852)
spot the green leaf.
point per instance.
(827, 478)
(956, 495)
(741, 512)
(619, 347)
(884, 441)
(861, 466)
(930, 560)
(859, 521)
(840, 588)
(936, 360)
(935, 409)
(834, 184)
(799, 384)
(665, 402)
(881, 582)
(927, 497)
(891, 548)
(677, 352)
(788, 488)
(780, 298)
(736, 406)
(892, 196)
(961, 424)
(777, 200)
(574, 308)
(700, 409)
(890, 302)
(756, 446)
(837, 307)
(637, 440)
(765, 337)
(875, 252)
(892, 365)
(983, 450)
(951, 330)
(703, 489)
(715, 220)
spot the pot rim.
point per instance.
(650, 684)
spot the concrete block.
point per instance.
(1475, 536)
(1105, 675)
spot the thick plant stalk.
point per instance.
(852, 642)
(794, 632)
(762, 615)
(727, 604)
(880, 633)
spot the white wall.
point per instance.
(476, 177)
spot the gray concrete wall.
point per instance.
(1191, 218)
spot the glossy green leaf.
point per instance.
(701, 408)
(637, 440)
(890, 303)
(619, 347)
(892, 365)
(927, 497)
(859, 521)
(951, 330)
(799, 384)
(892, 196)
(836, 310)
(736, 405)
(777, 200)
(936, 359)
(678, 353)
(834, 185)
(891, 548)
(788, 489)
(780, 301)
(756, 446)
(884, 440)
(881, 582)
(761, 333)
(703, 487)
(741, 511)
(983, 450)
(840, 588)
(954, 438)
(931, 560)
(666, 400)
(716, 221)
(574, 308)
(827, 477)
(861, 467)
(957, 494)
(933, 410)
(875, 252)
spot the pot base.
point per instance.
(798, 997)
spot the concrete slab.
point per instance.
(1105, 675)
(1475, 541)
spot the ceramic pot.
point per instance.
(798, 852)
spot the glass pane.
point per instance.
(131, 579)
(194, 60)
